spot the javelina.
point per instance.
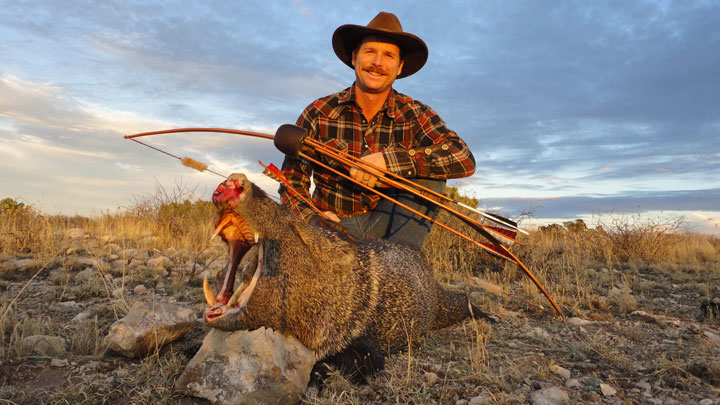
(351, 303)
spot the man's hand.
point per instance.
(370, 177)
(331, 216)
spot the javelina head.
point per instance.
(232, 198)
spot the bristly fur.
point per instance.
(351, 303)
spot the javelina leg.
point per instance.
(359, 361)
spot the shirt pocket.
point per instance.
(404, 134)
(336, 144)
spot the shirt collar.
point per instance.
(348, 97)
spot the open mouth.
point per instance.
(240, 239)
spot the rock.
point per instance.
(644, 385)
(118, 292)
(615, 293)
(85, 274)
(549, 396)
(431, 378)
(44, 345)
(82, 316)
(248, 367)
(712, 336)
(573, 383)
(563, 372)
(159, 262)
(537, 333)
(68, 305)
(461, 402)
(128, 253)
(575, 321)
(59, 363)
(149, 326)
(114, 248)
(706, 401)
(140, 289)
(661, 320)
(87, 261)
(607, 390)
(25, 264)
(171, 252)
(482, 399)
(78, 251)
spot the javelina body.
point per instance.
(348, 302)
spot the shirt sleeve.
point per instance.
(440, 153)
(298, 172)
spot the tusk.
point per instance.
(209, 296)
(234, 298)
(245, 297)
(256, 235)
(223, 223)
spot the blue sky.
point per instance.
(573, 109)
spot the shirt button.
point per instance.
(409, 172)
(412, 152)
(428, 151)
(445, 147)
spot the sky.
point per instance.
(572, 109)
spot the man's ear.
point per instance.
(402, 62)
(354, 55)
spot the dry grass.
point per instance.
(643, 263)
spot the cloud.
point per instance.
(73, 158)
(600, 105)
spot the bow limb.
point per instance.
(220, 130)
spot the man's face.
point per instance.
(377, 64)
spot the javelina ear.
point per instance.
(289, 138)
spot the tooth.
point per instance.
(251, 287)
(221, 225)
(233, 300)
(209, 295)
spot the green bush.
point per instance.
(8, 206)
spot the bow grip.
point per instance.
(289, 139)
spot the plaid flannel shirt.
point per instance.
(413, 139)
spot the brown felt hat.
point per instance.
(413, 50)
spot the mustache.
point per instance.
(377, 70)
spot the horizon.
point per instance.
(572, 111)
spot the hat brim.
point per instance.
(414, 51)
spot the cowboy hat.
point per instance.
(413, 50)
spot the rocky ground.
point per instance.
(648, 342)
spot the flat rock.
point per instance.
(248, 367)
(538, 333)
(148, 326)
(44, 345)
(159, 262)
(549, 396)
(140, 289)
(482, 399)
(25, 264)
(607, 390)
(563, 372)
(575, 321)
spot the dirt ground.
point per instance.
(650, 343)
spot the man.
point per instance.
(388, 129)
